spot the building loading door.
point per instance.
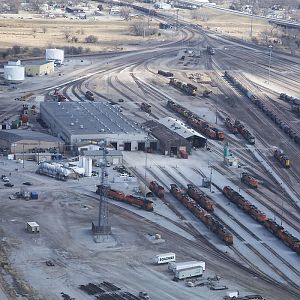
(141, 146)
(115, 145)
(127, 146)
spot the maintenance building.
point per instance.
(20, 141)
(78, 122)
(193, 137)
(39, 68)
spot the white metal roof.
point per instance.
(179, 127)
(33, 224)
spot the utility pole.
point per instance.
(23, 157)
(270, 58)
(102, 229)
(177, 16)
(146, 161)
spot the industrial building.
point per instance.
(193, 137)
(114, 157)
(169, 142)
(19, 141)
(39, 68)
(77, 122)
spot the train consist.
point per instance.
(249, 180)
(213, 225)
(187, 88)
(146, 107)
(282, 158)
(236, 127)
(259, 216)
(165, 73)
(289, 99)
(201, 198)
(265, 109)
(196, 122)
(157, 189)
(130, 199)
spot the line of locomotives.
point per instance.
(236, 127)
(140, 202)
(187, 88)
(196, 122)
(199, 206)
(276, 229)
(265, 108)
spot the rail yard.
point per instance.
(194, 146)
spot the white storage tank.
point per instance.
(56, 55)
(14, 73)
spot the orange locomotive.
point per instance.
(279, 231)
(249, 180)
(202, 215)
(201, 198)
(133, 200)
(157, 189)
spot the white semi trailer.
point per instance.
(165, 258)
(189, 272)
(175, 266)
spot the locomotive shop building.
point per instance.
(79, 122)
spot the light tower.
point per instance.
(102, 228)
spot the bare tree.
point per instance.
(125, 13)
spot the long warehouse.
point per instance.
(77, 122)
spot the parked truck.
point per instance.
(165, 258)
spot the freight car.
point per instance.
(157, 189)
(276, 229)
(282, 158)
(266, 109)
(187, 88)
(90, 96)
(244, 204)
(130, 199)
(289, 99)
(200, 213)
(146, 107)
(249, 180)
(201, 198)
(196, 122)
(165, 73)
(210, 50)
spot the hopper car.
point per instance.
(165, 73)
(265, 108)
(214, 225)
(130, 199)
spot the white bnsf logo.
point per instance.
(166, 258)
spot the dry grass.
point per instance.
(29, 33)
(226, 23)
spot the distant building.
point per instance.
(39, 68)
